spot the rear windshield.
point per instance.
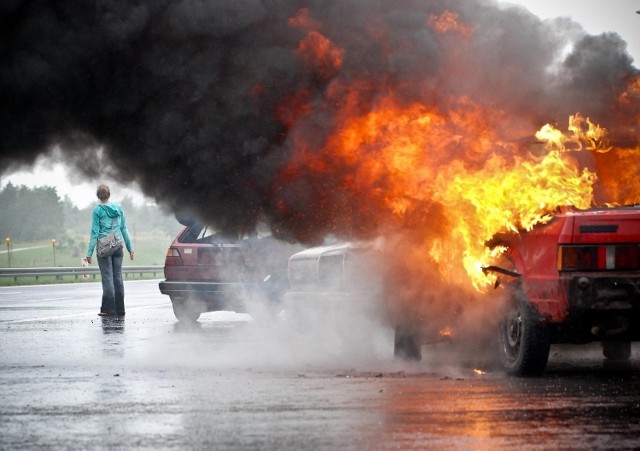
(202, 233)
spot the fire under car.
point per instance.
(207, 270)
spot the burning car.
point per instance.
(334, 279)
(573, 280)
(209, 270)
(341, 283)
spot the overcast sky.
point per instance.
(596, 16)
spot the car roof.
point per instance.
(599, 210)
(331, 249)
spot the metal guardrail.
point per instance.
(91, 271)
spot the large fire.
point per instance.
(432, 124)
(404, 157)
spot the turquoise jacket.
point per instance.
(103, 214)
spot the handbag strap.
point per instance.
(113, 219)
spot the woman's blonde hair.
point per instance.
(103, 192)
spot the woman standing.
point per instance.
(108, 216)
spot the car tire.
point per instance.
(406, 345)
(523, 341)
(185, 310)
(616, 351)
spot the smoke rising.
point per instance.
(206, 103)
(270, 111)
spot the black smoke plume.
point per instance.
(188, 97)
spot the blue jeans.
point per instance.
(112, 285)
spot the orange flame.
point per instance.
(404, 158)
(456, 178)
(304, 22)
(409, 149)
(619, 170)
(446, 332)
(493, 200)
(583, 134)
(316, 50)
(448, 21)
(632, 92)
(320, 52)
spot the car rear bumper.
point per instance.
(216, 296)
(604, 292)
(601, 307)
(170, 287)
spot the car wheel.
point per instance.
(616, 351)
(523, 341)
(406, 345)
(185, 310)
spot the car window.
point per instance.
(207, 233)
(202, 233)
(303, 271)
(330, 268)
(362, 269)
(359, 263)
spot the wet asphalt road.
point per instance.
(71, 380)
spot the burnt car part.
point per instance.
(499, 270)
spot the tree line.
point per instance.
(34, 214)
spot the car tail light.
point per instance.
(599, 257)
(627, 257)
(173, 257)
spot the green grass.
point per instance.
(150, 250)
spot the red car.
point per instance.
(573, 280)
(206, 270)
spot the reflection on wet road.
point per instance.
(72, 379)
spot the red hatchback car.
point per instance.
(573, 280)
(207, 271)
